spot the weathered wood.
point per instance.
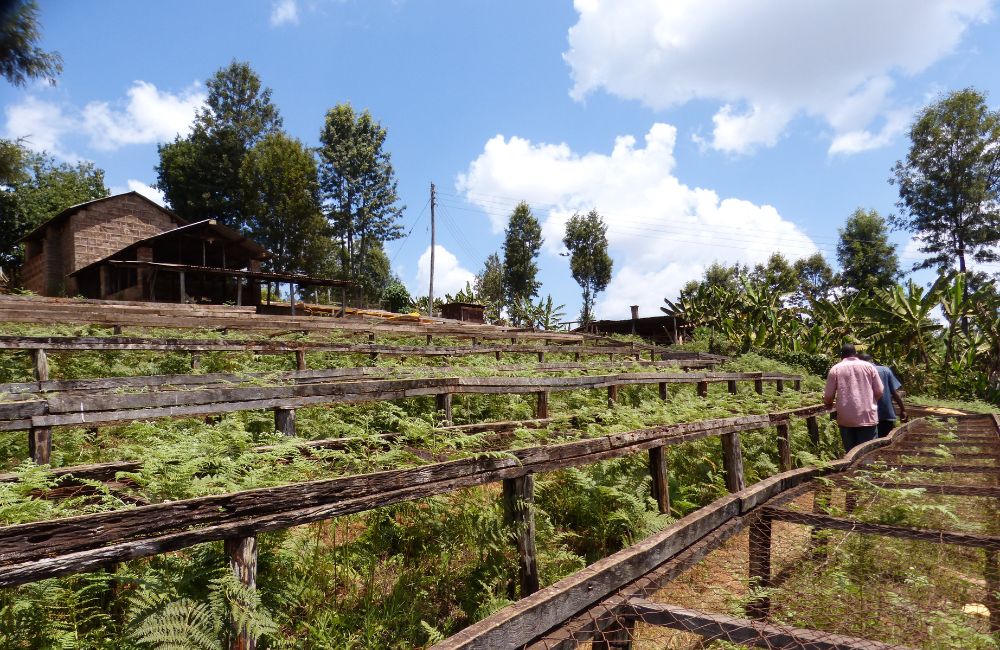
(300, 360)
(542, 404)
(760, 565)
(664, 395)
(711, 626)
(519, 514)
(40, 361)
(702, 389)
(660, 473)
(784, 447)
(758, 386)
(732, 461)
(195, 361)
(284, 421)
(901, 532)
(40, 445)
(444, 407)
(612, 395)
(812, 425)
(797, 384)
(779, 385)
(242, 553)
(731, 387)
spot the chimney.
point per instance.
(635, 316)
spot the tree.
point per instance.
(815, 279)
(949, 184)
(867, 259)
(489, 287)
(200, 174)
(396, 297)
(281, 194)
(20, 57)
(358, 185)
(587, 241)
(522, 241)
(39, 190)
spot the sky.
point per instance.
(701, 130)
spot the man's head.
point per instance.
(848, 350)
(866, 357)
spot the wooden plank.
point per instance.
(745, 632)
(901, 532)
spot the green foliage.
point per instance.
(395, 296)
(949, 184)
(200, 174)
(587, 241)
(489, 288)
(358, 188)
(522, 242)
(868, 261)
(20, 57)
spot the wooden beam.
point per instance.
(242, 553)
(732, 461)
(519, 514)
(745, 632)
(660, 472)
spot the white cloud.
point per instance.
(661, 232)
(148, 115)
(449, 275)
(147, 191)
(284, 12)
(767, 61)
(41, 124)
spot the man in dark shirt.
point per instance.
(886, 414)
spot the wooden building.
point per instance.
(126, 247)
(464, 311)
(662, 330)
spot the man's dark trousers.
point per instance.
(885, 426)
(854, 436)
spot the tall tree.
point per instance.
(281, 192)
(949, 184)
(867, 259)
(488, 286)
(20, 57)
(200, 174)
(522, 242)
(587, 241)
(38, 191)
(358, 186)
(777, 274)
(815, 279)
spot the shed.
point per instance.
(464, 311)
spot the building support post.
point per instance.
(519, 513)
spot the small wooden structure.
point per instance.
(464, 311)
(662, 330)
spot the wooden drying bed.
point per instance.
(606, 599)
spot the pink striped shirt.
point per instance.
(857, 387)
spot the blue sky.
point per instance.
(703, 130)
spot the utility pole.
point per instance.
(430, 291)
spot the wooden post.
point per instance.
(291, 296)
(430, 339)
(343, 302)
(519, 513)
(732, 461)
(284, 421)
(784, 447)
(497, 353)
(371, 341)
(664, 395)
(758, 386)
(760, 566)
(239, 291)
(797, 384)
(812, 424)
(779, 385)
(652, 354)
(300, 360)
(542, 404)
(40, 361)
(116, 330)
(616, 636)
(242, 552)
(183, 289)
(541, 357)
(732, 387)
(612, 395)
(821, 506)
(992, 575)
(444, 406)
(576, 357)
(660, 472)
(195, 361)
(40, 444)
(702, 389)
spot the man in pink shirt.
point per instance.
(856, 387)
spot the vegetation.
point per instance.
(867, 260)
(589, 262)
(522, 242)
(20, 57)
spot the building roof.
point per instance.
(73, 209)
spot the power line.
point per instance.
(406, 237)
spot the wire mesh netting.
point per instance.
(900, 551)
